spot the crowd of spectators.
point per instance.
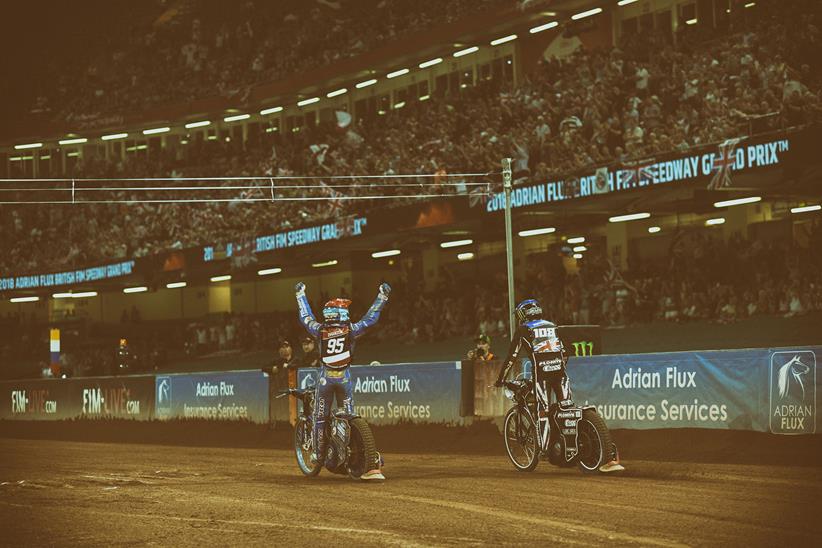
(648, 96)
(652, 94)
(702, 278)
(162, 52)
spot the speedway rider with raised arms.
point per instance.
(336, 335)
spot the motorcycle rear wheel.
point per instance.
(303, 446)
(595, 443)
(363, 455)
(521, 440)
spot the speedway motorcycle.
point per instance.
(351, 448)
(536, 428)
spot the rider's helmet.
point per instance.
(528, 310)
(336, 310)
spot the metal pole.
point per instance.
(509, 248)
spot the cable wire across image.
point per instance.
(170, 190)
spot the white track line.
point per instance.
(389, 537)
(559, 525)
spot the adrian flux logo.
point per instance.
(793, 392)
(163, 403)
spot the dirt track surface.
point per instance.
(72, 493)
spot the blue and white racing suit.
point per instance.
(336, 344)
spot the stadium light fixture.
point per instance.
(431, 63)
(456, 243)
(628, 217)
(223, 278)
(653, 229)
(536, 231)
(714, 222)
(269, 271)
(77, 141)
(336, 92)
(306, 102)
(806, 209)
(424, 97)
(397, 73)
(584, 14)
(272, 110)
(691, 21)
(28, 145)
(466, 51)
(465, 256)
(202, 123)
(504, 39)
(114, 136)
(326, 263)
(626, 2)
(738, 201)
(577, 256)
(70, 155)
(546, 26)
(24, 299)
(154, 131)
(366, 83)
(138, 289)
(236, 117)
(750, 4)
(46, 157)
(580, 249)
(576, 240)
(83, 294)
(61, 295)
(175, 285)
(388, 253)
(399, 105)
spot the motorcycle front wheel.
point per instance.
(595, 444)
(303, 446)
(521, 439)
(363, 455)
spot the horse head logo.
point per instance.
(163, 395)
(792, 373)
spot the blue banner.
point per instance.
(37, 281)
(412, 392)
(231, 395)
(737, 156)
(769, 390)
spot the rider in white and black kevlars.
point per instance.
(536, 339)
(336, 335)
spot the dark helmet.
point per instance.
(528, 310)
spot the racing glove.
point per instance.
(385, 290)
(299, 289)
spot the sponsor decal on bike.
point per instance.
(792, 380)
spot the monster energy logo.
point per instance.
(583, 348)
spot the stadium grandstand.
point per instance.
(174, 167)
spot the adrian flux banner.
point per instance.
(230, 395)
(768, 390)
(414, 392)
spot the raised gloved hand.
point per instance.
(385, 290)
(499, 383)
(300, 288)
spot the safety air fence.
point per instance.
(767, 390)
